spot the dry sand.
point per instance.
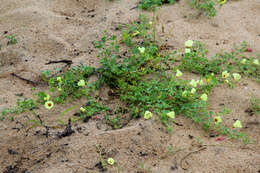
(64, 29)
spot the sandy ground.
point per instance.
(65, 29)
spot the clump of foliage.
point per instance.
(11, 39)
(207, 7)
(235, 62)
(152, 4)
(255, 105)
(68, 83)
(22, 105)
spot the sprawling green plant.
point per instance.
(146, 80)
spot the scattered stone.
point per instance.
(12, 152)
(249, 111)
(67, 131)
(190, 136)
(11, 169)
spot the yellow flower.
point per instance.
(187, 50)
(204, 97)
(193, 83)
(59, 89)
(47, 97)
(227, 81)
(135, 33)
(188, 43)
(217, 120)
(48, 105)
(147, 115)
(225, 74)
(236, 76)
(237, 124)
(59, 79)
(256, 62)
(110, 161)
(81, 83)
(178, 73)
(221, 2)
(150, 23)
(82, 109)
(184, 93)
(193, 90)
(141, 49)
(171, 114)
(208, 80)
(200, 82)
(243, 61)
